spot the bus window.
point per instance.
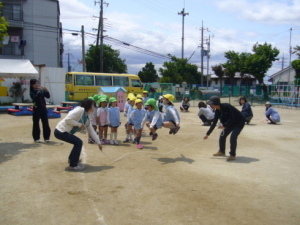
(69, 79)
(136, 83)
(121, 81)
(84, 80)
(103, 81)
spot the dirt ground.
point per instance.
(174, 180)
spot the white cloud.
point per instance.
(267, 11)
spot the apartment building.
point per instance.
(35, 32)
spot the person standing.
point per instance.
(246, 109)
(38, 95)
(114, 120)
(77, 120)
(232, 121)
(271, 114)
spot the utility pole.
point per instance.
(101, 37)
(208, 56)
(99, 25)
(182, 44)
(290, 50)
(83, 49)
(69, 66)
(202, 55)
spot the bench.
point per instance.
(68, 108)
(11, 111)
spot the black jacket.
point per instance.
(38, 98)
(229, 117)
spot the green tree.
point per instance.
(232, 66)
(297, 51)
(296, 66)
(112, 63)
(148, 74)
(178, 70)
(3, 27)
(260, 62)
(219, 71)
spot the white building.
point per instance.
(34, 32)
(285, 76)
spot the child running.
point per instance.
(154, 118)
(171, 118)
(114, 120)
(137, 117)
(103, 120)
(129, 122)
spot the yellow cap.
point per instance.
(145, 92)
(132, 98)
(138, 101)
(170, 97)
(139, 96)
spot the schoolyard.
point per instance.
(174, 180)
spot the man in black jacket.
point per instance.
(232, 121)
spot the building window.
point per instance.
(12, 48)
(12, 12)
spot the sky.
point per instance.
(155, 25)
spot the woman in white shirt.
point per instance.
(77, 120)
(205, 114)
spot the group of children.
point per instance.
(139, 111)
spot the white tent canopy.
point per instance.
(11, 68)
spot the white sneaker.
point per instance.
(76, 168)
(47, 141)
(116, 143)
(112, 142)
(37, 141)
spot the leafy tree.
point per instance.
(297, 51)
(296, 66)
(232, 65)
(260, 62)
(3, 27)
(219, 71)
(112, 63)
(148, 73)
(178, 70)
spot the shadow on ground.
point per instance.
(9, 150)
(182, 158)
(92, 169)
(244, 159)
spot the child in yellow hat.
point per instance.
(171, 117)
(137, 117)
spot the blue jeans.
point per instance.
(233, 139)
(72, 139)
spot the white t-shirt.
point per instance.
(206, 112)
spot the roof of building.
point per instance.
(111, 89)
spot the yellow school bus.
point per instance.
(80, 85)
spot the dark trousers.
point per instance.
(160, 108)
(235, 131)
(72, 139)
(40, 114)
(204, 119)
(185, 107)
